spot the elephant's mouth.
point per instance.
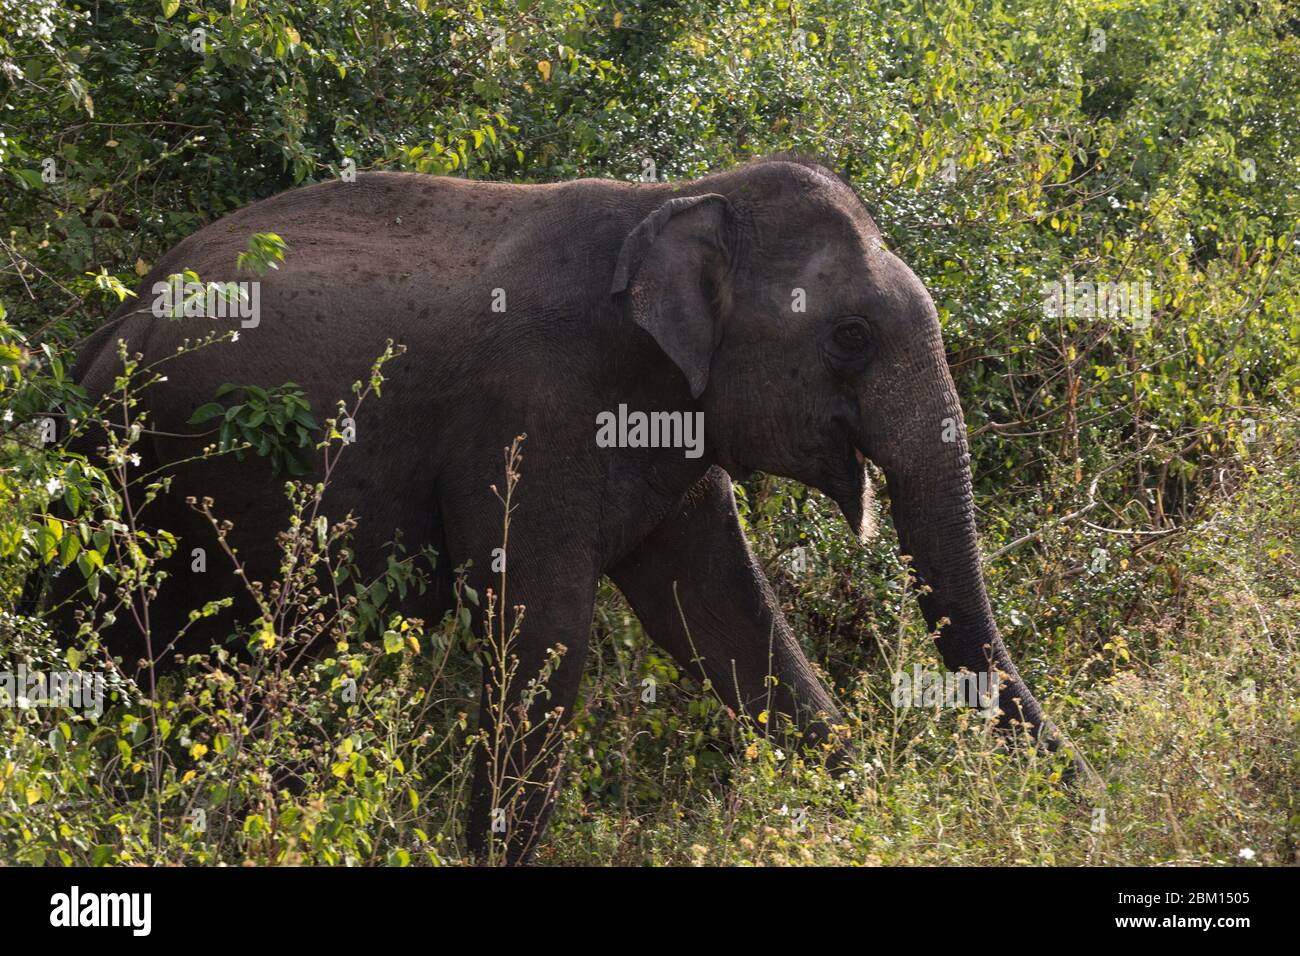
(847, 483)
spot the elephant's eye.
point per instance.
(851, 336)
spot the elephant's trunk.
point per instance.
(929, 480)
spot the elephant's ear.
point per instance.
(674, 267)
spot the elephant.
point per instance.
(759, 302)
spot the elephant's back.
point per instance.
(437, 264)
(381, 224)
(387, 237)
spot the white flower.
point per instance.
(53, 486)
(9, 414)
(1246, 853)
(235, 337)
(135, 459)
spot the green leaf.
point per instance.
(68, 549)
(205, 413)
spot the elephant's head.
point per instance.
(811, 348)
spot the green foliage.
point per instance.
(276, 424)
(265, 251)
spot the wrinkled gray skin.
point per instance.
(659, 296)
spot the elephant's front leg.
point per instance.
(533, 629)
(701, 595)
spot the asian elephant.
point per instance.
(759, 301)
